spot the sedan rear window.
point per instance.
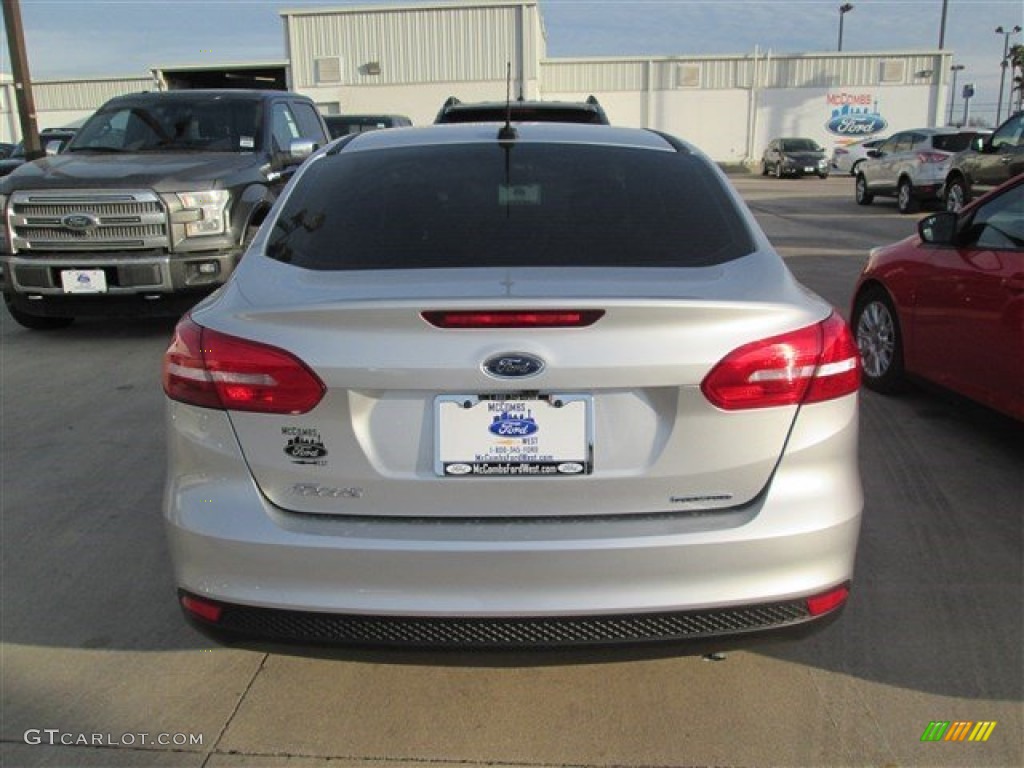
(481, 205)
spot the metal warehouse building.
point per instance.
(407, 59)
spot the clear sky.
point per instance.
(95, 38)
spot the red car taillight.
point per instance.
(817, 363)
(213, 370)
(932, 157)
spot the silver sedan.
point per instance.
(511, 385)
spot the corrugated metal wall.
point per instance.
(724, 72)
(84, 95)
(414, 45)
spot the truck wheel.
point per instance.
(36, 322)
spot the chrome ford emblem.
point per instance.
(513, 366)
(80, 221)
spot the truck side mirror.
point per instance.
(299, 150)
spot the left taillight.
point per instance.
(932, 157)
(809, 365)
(214, 370)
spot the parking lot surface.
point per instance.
(98, 668)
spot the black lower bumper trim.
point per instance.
(273, 625)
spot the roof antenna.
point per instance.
(507, 132)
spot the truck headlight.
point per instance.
(207, 211)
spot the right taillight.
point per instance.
(213, 370)
(809, 365)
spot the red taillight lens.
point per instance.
(817, 363)
(932, 157)
(827, 601)
(540, 318)
(213, 370)
(204, 609)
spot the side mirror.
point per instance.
(978, 144)
(54, 147)
(939, 228)
(874, 153)
(299, 150)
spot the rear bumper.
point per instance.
(322, 579)
(704, 629)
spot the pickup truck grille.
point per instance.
(87, 220)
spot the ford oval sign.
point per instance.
(856, 124)
(513, 366)
(80, 221)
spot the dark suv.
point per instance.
(988, 163)
(589, 111)
(151, 204)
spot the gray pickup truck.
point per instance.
(151, 205)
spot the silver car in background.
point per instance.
(910, 166)
(511, 385)
(848, 157)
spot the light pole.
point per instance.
(952, 97)
(844, 9)
(1004, 64)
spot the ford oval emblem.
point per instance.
(80, 221)
(511, 425)
(513, 366)
(856, 125)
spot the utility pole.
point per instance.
(942, 27)
(952, 96)
(22, 80)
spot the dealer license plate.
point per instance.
(527, 437)
(83, 281)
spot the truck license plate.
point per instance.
(83, 281)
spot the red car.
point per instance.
(947, 304)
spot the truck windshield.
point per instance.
(172, 125)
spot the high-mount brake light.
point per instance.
(810, 365)
(531, 318)
(213, 370)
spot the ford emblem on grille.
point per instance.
(80, 221)
(513, 366)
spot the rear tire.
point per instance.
(905, 200)
(876, 327)
(860, 191)
(36, 322)
(955, 195)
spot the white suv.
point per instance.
(910, 166)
